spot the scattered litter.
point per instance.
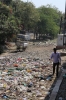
(25, 76)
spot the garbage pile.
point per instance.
(24, 78)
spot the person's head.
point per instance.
(54, 49)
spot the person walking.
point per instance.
(56, 58)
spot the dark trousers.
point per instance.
(57, 68)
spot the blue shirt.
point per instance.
(56, 57)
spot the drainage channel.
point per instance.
(59, 91)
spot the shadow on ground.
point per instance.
(61, 95)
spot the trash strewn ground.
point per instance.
(27, 75)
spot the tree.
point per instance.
(8, 24)
(26, 13)
(7, 2)
(16, 13)
(49, 21)
(4, 13)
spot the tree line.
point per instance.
(16, 15)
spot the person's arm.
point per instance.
(51, 56)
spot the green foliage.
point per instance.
(7, 2)
(4, 9)
(16, 13)
(49, 21)
(12, 27)
(26, 13)
(8, 23)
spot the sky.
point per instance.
(60, 4)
